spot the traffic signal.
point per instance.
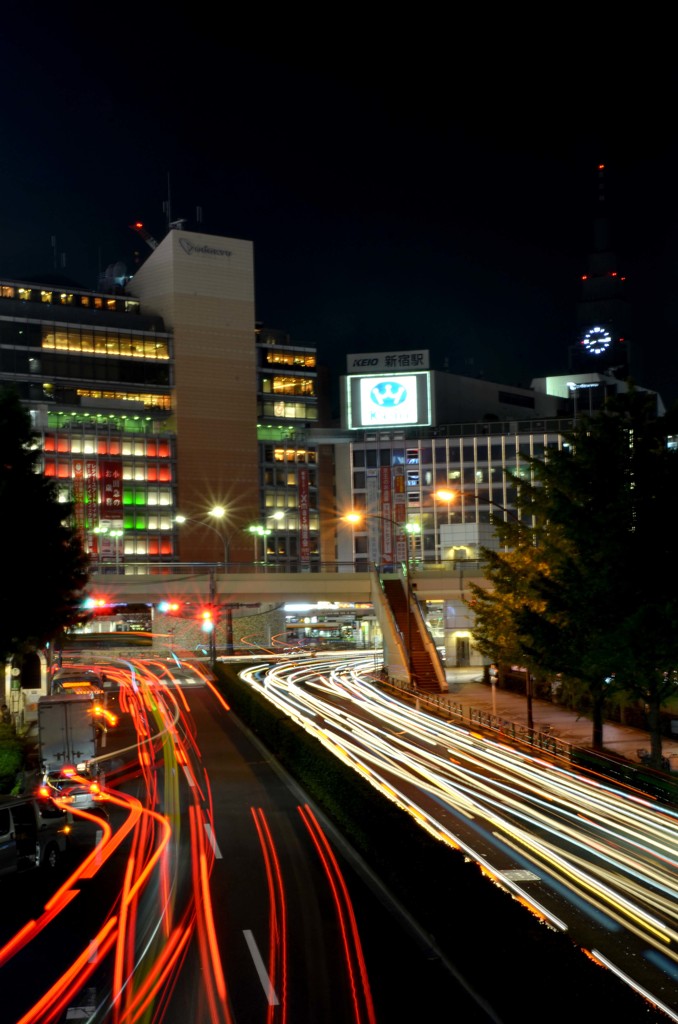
(208, 618)
(98, 606)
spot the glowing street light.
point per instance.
(103, 530)
(218, 512)
(410, 529)
(261, 530)
(449, 496)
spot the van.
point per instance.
(33, 833)
(75, 680)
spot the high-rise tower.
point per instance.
(603, 312)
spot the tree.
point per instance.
(44, 582)
(575, 583)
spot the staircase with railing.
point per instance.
(422, 669)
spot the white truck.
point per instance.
(67, 732)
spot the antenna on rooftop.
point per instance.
(167, 205)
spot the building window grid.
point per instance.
(148, 528)
(477, 465)
(56, 297)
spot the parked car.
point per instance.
(33, 833)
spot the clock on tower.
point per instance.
(596, 340)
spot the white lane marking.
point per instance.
(261, 970)
(189, 776)
(212, 841)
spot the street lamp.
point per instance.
(218, 512)
(117, 535)
(410, 529)
(261, 530)
(443, 494)
(208, 526)
(449, 496)
(104, 530)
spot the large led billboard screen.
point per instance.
(388, 400)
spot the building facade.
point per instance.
(162, 397)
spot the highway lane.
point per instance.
(227, 899)
(304, 933)
(588, 857)
(222, 840)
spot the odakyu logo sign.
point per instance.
(204, 250)
(388, 394)
(388, 400)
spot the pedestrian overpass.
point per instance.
(246, 585)
(332, 582)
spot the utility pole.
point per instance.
(215, 617)
(229, 628)
(528, 694)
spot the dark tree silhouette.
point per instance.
(587, 587)
(45, 566)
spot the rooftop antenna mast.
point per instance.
(167, 206)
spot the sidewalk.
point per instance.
(467, 688)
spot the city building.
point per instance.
(160, 400)
(159, 397)
(96, 374)
(426, 463)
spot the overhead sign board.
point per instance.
(388, 400)
(387, 362)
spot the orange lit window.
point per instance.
(154, 547)
(50, 467)
(64, 471)
(151, 473)
(49, 445)
(165, 474)
(163, 450)
(102, 448)
(63, 444)
(166, 546)
(151, 449)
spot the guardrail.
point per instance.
(129, 567)
(503, 727)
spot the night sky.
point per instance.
(410, 188)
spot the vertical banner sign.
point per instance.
(386, 513)
(79, 499)
(304, 536)
(373, 525)
(400, 511)
(111, 489)
(92, 483)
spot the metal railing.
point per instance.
(504, 728)
(158, 567)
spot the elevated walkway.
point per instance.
(410, 654)
(329, 581)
